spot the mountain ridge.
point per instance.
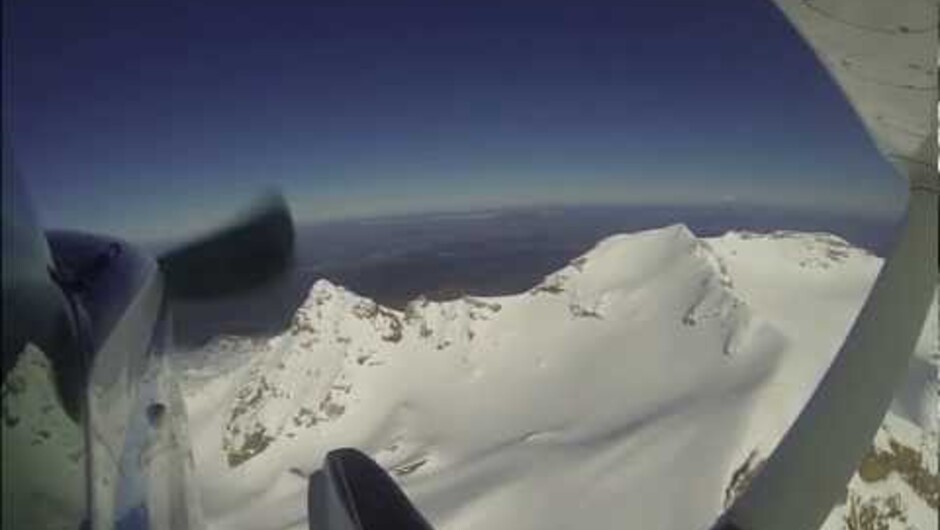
(625, 351)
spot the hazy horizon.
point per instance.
(393, 260)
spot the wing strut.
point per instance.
(883, 55)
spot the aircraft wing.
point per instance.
(883, 54)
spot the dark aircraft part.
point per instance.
(96, 310)
(352, 492)
(246, 254)
(100, 277)
(155, 414)
(102, 273)
(34, 308)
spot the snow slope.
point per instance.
(642, 383)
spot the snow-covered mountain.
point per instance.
(642, 383)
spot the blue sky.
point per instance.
(153, 119)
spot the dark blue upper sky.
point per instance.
(151, 119)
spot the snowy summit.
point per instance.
(644, 382)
